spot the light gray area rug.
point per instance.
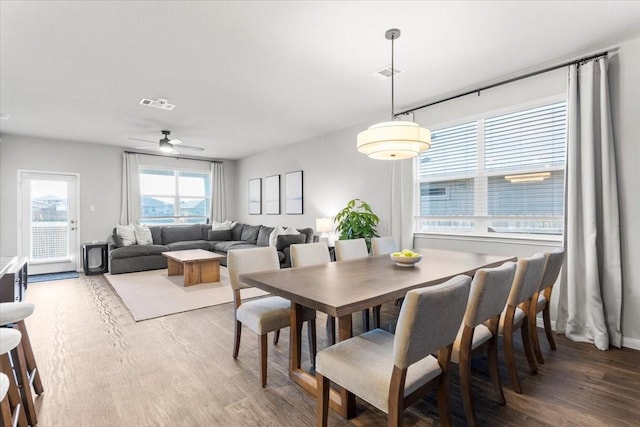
(151, 294)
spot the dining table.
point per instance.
(342, 288)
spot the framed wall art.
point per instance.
(272, 195)
(255, 196)
(293, 193)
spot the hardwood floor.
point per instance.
(100, 368)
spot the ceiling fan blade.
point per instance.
(148, 147)
(175, 141)
(190, 147)
(143, 140)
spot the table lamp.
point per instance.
(323, 226)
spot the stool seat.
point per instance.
(12, 312)
(9, 339)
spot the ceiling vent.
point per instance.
(386, 71)
(157, 103)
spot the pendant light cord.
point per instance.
(392, 86)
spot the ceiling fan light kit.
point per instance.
(166, 144)
(393, 140)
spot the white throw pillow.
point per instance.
(127, 234)
(280, 230)
(143, 235)
(226, 225)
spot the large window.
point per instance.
(497, 174)
(170, 196)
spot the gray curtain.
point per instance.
(591, 287)
(130, 206)
(218, 196)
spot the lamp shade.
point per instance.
(394, 140)
(324, 225)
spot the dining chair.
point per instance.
(383, 245)
(262, 315)
(10, 342)
(354, 249)
(479, 330)
(525, 284)
(306, 254)
(542, 301)
(13, 314)
(393, 372)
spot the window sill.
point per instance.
(505, 239)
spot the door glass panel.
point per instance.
(49, 220)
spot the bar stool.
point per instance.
(10, 403)
(14, 313)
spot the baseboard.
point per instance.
(632, 343)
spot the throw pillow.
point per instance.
(286, 240)
(143, 234)
(279, 230)
(127, 234)
(225, 225)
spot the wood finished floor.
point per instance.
(100, 368)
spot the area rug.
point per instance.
(151, 294)
(52, 276)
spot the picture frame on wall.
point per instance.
(255, 196)
(272, 195)
(293, 193)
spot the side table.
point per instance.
(103, 266)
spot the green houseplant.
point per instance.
(357, 220)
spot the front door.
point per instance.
(48, 216)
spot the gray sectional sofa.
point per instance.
(127, 259)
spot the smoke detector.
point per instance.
(161, 103)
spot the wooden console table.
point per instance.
(13, 278)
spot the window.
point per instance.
(497, 174)
(170, 196)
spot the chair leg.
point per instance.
(313, 345)
(528, 350)
(444, 408)
(508, 355)
(376, 316)
(546, 317)
(533, 335)
(365, 320)
(322, 402)
(32, 368)
(494, 372)
(5, 410)
(20, 367)
(276, 337)
(237, 331)
(262, 344)
(331, 325)
(13, 394)
(464, 370)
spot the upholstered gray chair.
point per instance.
(13, 402)
(542, 300)
(525, 285)
(313, 254)
(392, 372)
(383, 245)
(262, 315)
(354, 249)
(479, 330)
(13, 314)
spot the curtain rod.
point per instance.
(504, 82)
(174, 157)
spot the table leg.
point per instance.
(348, 399)
(174, 267)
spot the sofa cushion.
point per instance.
(250, 233)
(205, 231)
(285, 240)
(307, 232)
(156, 234)
(227, 246)
(179, 233)
(188, 244)
(219, 235)
(263, 236)
(143, 235)
(127, 234)
(236, 231)
(137, 250)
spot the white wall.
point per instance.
(100, 169)
(334, 172)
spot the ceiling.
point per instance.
(250, 76)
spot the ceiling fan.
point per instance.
(166, 144)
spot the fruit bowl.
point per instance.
(406, 258)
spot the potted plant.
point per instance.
(357, 220)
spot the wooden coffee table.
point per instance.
(197, 265)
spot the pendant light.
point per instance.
(397, 139)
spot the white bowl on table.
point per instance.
(406, 261)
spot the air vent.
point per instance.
(157, 103)
(386, 71)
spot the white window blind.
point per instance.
(499, 174)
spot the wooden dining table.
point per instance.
(342, 288)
